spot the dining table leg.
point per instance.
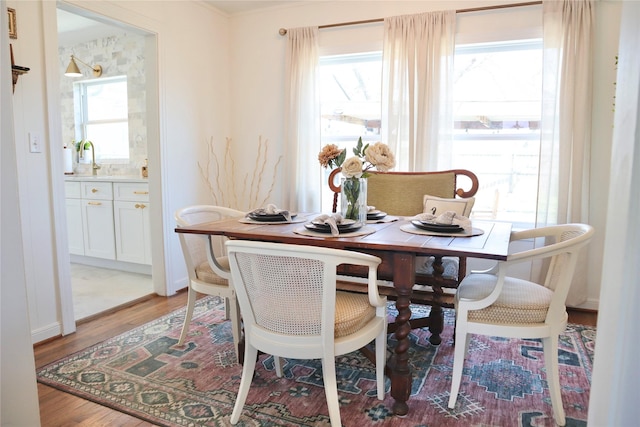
(400, 371)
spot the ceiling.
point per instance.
(74, 29)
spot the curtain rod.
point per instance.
(283, 31)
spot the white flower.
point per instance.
(380, 156)
(352, 167)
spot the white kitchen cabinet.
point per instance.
(97, 220)
(108, 221)
(75, 233)
(132, 230)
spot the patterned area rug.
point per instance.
(144, 373)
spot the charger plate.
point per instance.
(253, 221)
(373, 215)
(410, 228)
(440, 228)
(361, 232)
(387, 218)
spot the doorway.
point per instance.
(99, 285)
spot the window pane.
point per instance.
(111, 140)
(497, 104)
(102, 116)
(350, 97)
(107, 101)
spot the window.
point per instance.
(350, 98)
(102, 116)
(497, 106)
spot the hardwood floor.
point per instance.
(62, 409)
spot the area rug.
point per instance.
(145, 373)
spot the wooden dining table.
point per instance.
(398, 250)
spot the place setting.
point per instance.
(376, 216)
(271, 214)
(334, 225)
(448, 224)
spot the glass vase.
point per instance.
(353, 199)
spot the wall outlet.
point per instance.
(35, 143)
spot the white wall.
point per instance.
(258, 56)
(18, 393)
(34, 173)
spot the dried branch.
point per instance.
(225, 191)
(273, 181)
(204, 172)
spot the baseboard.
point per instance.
(588, 305)
(129, 267)
(46, 332)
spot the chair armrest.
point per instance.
(213, 261)
(491, 270)
(372, 262)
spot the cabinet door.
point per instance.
(74, 226)
(133, 242)
(99, 240)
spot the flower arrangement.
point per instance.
(365, 158)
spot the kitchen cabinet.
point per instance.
(74, 218)
(97, 220)
(108, 220)
(131, 214)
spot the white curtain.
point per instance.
(563, 191)
(302, 122)
(417, 88)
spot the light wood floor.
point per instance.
(62, 409)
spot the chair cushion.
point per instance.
(438, 205)
(353, 312)
(519, 302)
(206, 274)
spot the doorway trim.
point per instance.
(63, 262)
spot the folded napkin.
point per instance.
(446, 218)
(371, 208)
(333, 220)
(270, 209)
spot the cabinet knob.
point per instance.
(94, 190)
(140, 206)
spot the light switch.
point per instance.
(35, 145)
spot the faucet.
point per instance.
(94, 165)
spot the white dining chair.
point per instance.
(494, 304)
(290, 308)
(207, 264)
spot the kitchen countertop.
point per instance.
(108, 178)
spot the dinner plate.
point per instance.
(269, 217)
(443, 228)
(373, 215)
(346, 226)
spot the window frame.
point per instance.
(81, 112)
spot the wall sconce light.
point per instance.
(74, 71)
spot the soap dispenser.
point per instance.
(145, 169)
